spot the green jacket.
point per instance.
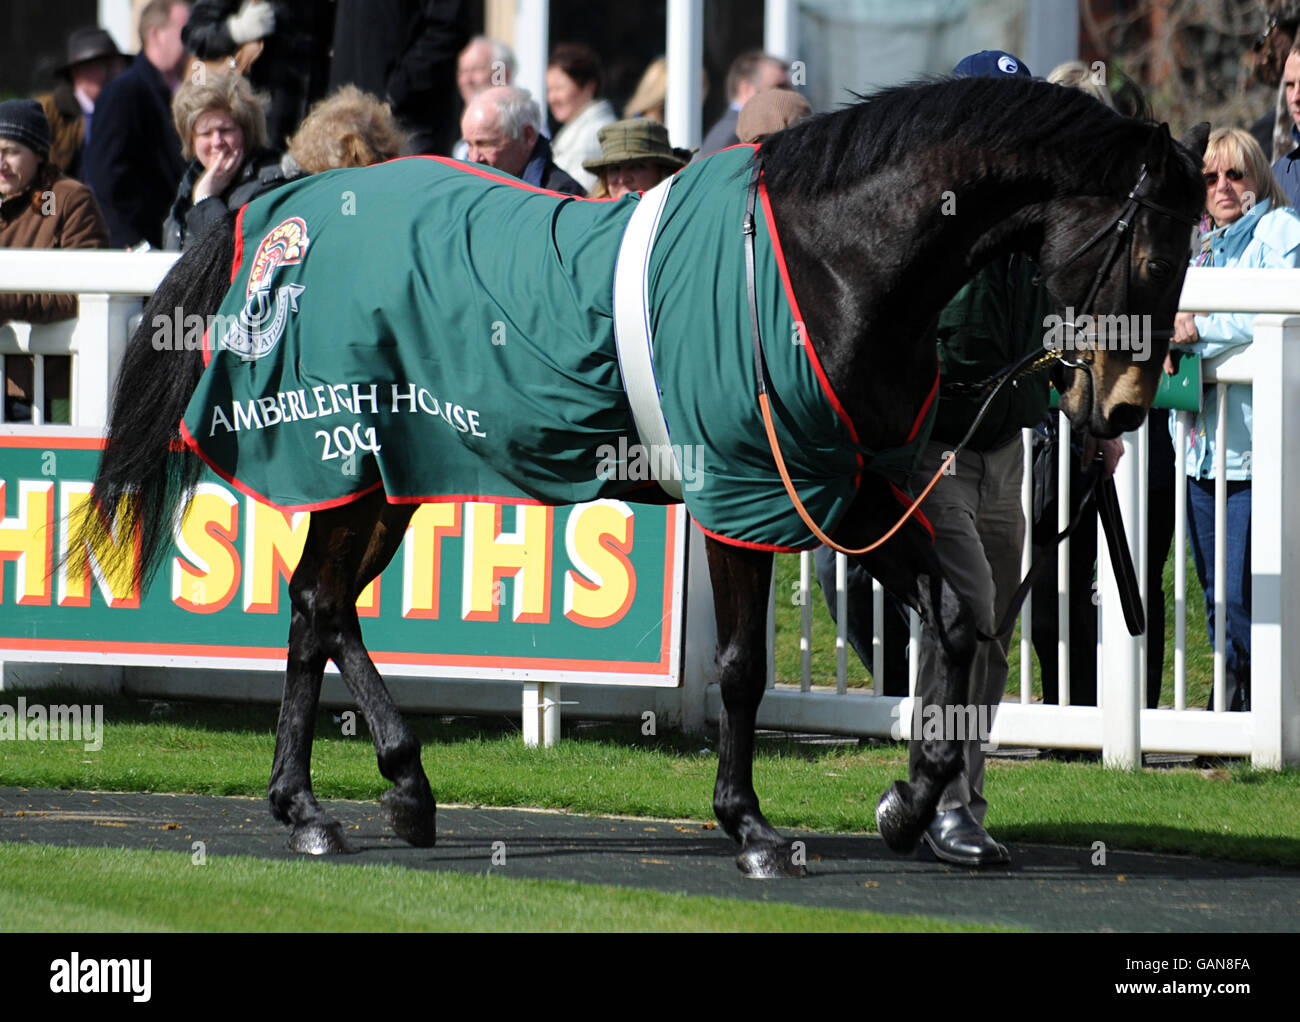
(996, 318)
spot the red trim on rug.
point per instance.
(441, 498)
(934, 392)
(235, 264)
(250, 492)
(918, 514)
(468, 498)
(238, 260)
(769, 547)
(807, 346)
(495, 175)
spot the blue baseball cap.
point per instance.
(991, 64)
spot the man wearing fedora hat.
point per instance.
(93, 60)
(502, 127)
(133, 158)
(634, 156)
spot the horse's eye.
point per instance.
(1158, 268)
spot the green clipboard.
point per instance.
(1182, 391)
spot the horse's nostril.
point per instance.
(1124, 417)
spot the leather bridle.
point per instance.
(1120, 226)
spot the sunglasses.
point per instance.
(1232, 175)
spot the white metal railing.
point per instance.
(110, 285)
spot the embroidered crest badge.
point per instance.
(262, 320)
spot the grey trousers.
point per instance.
(979, 530)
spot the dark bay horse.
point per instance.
(883, 209)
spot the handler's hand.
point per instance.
(1110, 450)
(1185, 331)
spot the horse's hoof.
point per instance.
(413, 819)
(770, 862)
(897, 819)
(320, 839)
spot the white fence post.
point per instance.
(99, 340)
(699, 668)
(1275, 555)
(685, 55)
(1121, 658)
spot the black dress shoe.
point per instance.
(956, 836)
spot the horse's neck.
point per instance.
(984, 206)
(927, 225)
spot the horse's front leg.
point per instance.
(741, 579)
(907, 807)
(908, 566)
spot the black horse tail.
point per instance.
(144, 458)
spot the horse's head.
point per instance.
(1117, 265)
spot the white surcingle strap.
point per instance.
(633, 340)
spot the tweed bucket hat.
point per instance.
(23, 120)
(637, 139)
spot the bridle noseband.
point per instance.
(1122, 227)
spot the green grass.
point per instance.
(1200, 656)
(1226, 812)
(117, 890)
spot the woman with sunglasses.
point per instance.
(1247, 223)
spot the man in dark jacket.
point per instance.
(502, 127)
(1287, 167)
(404, 51)
(133, 161)
(998, 317)
(93, 61)
(750, 73)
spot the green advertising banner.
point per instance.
(588, 593)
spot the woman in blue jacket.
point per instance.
(1247, 223)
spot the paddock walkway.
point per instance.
(1047, 888)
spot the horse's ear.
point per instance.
(1196, 139)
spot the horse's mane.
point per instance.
(1066, 126)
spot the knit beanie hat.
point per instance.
(23, 120)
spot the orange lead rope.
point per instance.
(760, 370)
(765, 407)
(1031, 361)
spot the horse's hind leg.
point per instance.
(345, 549)
(741, 579)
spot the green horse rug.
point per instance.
(446, 332)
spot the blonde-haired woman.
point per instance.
(350, 128)
(1247, 224)
(222, 126)
(1075, 74)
